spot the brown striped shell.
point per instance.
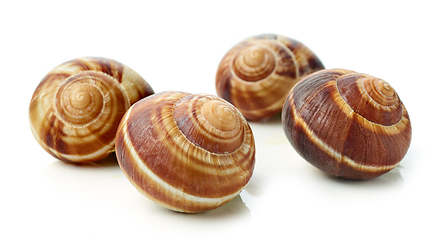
(75, 110)
(348, 124)
(186, 152)
(257, 74)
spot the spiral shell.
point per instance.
(187, 152)
(257, 74)
(348, 124)
(75, 110)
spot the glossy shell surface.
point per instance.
(187, 152)
(257, 74)
(75, 110)
(348, 124)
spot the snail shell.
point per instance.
(348, 124)
(188, 153)
(257, 74)
(75, 110)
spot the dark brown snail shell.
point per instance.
(348, 124)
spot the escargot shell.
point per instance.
(75, 110)
(257, 74)
(187, 152)
(348, 124)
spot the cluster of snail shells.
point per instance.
(76, 108)
(257, 74)
(348, 124)
(196, 152)
(189, 153)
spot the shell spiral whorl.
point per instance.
(257, 74)
(86, 95)
(382, 104)
(348, 124)
(210, 123)
(75, 110)
(254, 63)
(187, 152)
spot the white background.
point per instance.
(178, 46)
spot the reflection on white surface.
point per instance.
(102, 186)
(102, 180)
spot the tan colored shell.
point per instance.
(348, 124)
(75, 110)
(258, 73)
(188, 153)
